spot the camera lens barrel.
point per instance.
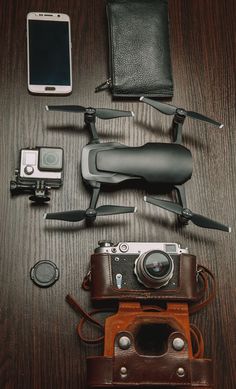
(154, 269)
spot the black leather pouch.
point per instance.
(139, 52)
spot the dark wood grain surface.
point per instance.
(39, 348)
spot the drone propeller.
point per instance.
(90, 213)
(168, 109)
(101, 113)
(198, 220)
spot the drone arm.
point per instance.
(181, 199)
(93, 132)
(181, 195)
(89, 119)
(177, 125)
(177, 132)
(95, 195)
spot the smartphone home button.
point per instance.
(50, 88)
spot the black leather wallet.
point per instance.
(139, 52)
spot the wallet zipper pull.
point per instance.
(105, 85)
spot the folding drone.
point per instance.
(153, 164)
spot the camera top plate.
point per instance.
(139, 247)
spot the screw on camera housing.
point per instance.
(124, 342)
(178, 344)
(180, 372)
(123, 372)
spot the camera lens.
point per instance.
(154, 269)
(50, 159)
(157, 264)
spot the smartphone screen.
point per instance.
(49, 56)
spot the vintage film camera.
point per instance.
(40, 169)
(147, 345)
(138, 271)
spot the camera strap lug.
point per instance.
(207, 291)
(198, 273)
(86, 284)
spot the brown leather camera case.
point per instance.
(120, 368)
(103, 288)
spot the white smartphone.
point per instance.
(49, 53)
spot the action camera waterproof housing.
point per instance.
(40, 169)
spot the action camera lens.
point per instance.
(50, 159)
(157, 264)
(154, 269)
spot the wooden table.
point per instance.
(39, 345)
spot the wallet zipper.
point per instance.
(105, 85)
(108, 83)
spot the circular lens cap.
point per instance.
(44, 273)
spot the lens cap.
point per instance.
(44, 273)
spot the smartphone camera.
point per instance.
(40, 169)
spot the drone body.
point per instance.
(152, 164)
